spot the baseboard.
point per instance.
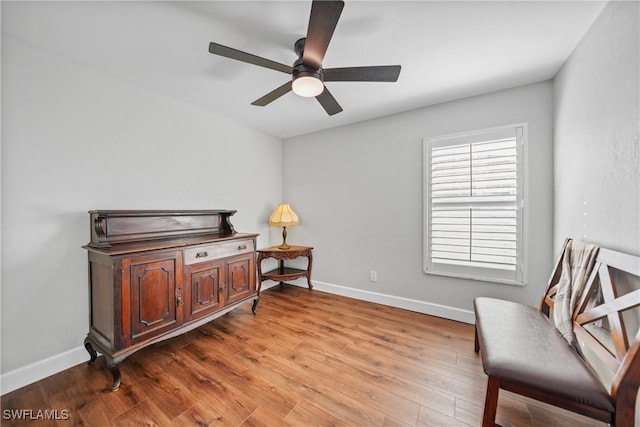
(26, 375)
(438, 310)
(37, 371)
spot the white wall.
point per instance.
(597, 128)
(358, 192)
(597, 120)
(74, 139)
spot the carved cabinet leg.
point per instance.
(255, 305)
(115, 370)
(92, 352)
(114, 367)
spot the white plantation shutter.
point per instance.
(473, 204)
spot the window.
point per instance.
(473, 199)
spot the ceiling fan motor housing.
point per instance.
(300, 69)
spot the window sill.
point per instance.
(477, 278)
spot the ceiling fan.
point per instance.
(307, 74)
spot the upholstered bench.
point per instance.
(523, 352)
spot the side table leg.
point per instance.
(259, 267)
(310, 257)
(281, 271)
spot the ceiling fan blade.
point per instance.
(273, 95)
(381, 73)
(328, 102)
(322, 22)
(228, 52)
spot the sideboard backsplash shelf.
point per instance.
(110, 227)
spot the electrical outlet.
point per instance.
(373, 276)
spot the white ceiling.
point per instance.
(447, 49)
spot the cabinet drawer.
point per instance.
(218, 250)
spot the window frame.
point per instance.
(470, 272)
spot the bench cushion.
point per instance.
(520, 344)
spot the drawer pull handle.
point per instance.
(202, 254)
(242, 247)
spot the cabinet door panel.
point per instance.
(241, 279)
(203, 288)
(154, 285)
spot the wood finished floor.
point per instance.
(306, 359)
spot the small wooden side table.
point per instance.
(282, 273)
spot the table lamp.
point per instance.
(284, 217)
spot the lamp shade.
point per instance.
(283, 216)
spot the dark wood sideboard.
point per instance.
(154, 275)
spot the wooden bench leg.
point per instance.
(625, 414)
(491, 402)
(476, 344)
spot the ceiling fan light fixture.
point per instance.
(307, 73)
(307, 86)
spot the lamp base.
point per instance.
(284, 239)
